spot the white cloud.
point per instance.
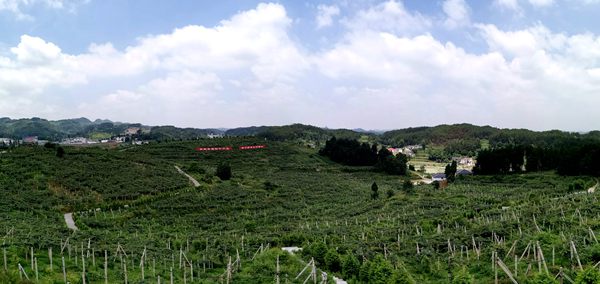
(509, 5)
(325, 15)
(34, 50)
(390, 16)
(541, 3)
(380, 74)
(457, 13)
(16, 7)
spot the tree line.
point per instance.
(353, 153)
(569, 157)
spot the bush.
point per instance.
(196, 168)
(374, 191)
(462, 276)
(588, 276)
(60, 152)
(389, 193)
(407, 186)
(332, 261)
(541, 278)
(350, 266)
(223, 171)
(401, 276)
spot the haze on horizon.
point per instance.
(339, 64)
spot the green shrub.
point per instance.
(588, 276)
(223, 171)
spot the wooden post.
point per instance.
(576, 255)
(125, 270)
(229, 271)
(50, 258)
(560, 273)
(82, 267)
(541, 255)
(64, 269)
(22, 272)
(105, 267)
(180, 257)
(184, 274)
(495, 267)
(5, 262)
(552, 255)
(142, 265)
(277, 271)
(37, 278)
(31, 257)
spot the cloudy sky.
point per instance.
(371, 64)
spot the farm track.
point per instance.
(70, 222)
(193, 180)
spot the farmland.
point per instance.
(132, 203)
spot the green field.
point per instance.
(133, 204)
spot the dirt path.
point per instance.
(70, 222)
(194, 181)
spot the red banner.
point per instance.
(253, 147)
(228, 148)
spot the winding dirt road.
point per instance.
(194, 181)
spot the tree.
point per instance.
(374, 191)
(380, 270)
(450, 171)
(350, 266)
(390, 164)
(401, 276)
(407, 186)
(318, 251)
(60, 152)
(223, 171)
(332, 260)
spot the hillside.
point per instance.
(448, 134)
(465, 135)
(132, 202)
(60, 129)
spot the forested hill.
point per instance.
(466, 133)
(452, 136)
(100, 128)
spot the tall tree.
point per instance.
(374, 191)
(450, 171)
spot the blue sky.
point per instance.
(369, 64)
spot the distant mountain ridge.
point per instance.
(437, 135)
(59, 129)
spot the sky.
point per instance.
(333, 63)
